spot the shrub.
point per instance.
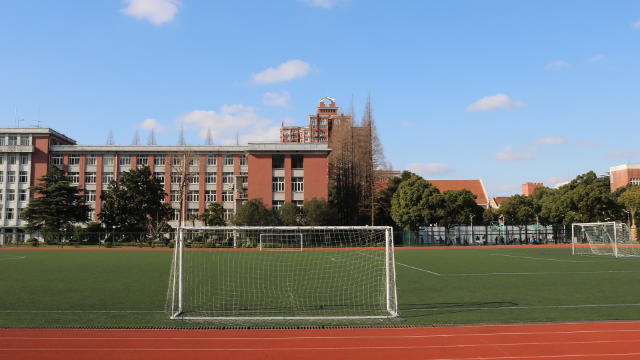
(33, 241)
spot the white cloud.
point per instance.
(325, 4)
(151, 123)
(623, 154)
(276, 99)
(286, 71)
(557, 181)
(556, 65)
(498, 101)
(596, 58)
(430, 169)
(156, 12)
(587, 143)
(549, 140)
(509, 154)
(406, 124)
(231, 119)
(636, 25)
(288, 120)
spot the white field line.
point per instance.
(405, 265)
(305, 337)
(542, 273)
(522, 307)
(316, 348)
(11, 257)
(539, 258)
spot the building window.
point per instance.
(74, 159)
(227, 178)
(1, 199)
(193, 196)
(159, 176)
(24, 140)
(210, 196)
(227, 196)
(277, 204)
(22, 194)
(634, 181)
(107, 160)
(192, 214)
(194, 178)
(56, 160)
(89, 195)
(24, 159)
(13, 140)
(297, 184)
(107, 177)
(11, 194)
(227, 214)
(228, 159)
(299, 204)
(210, 178)
(2, 137)
(176, 215)
(244, 177)
(277, 161)
(11, 177)
(12, 159)
(278, 184)
(211, 159)
(158, 160)
(297, 161)
(313, 123)
(74, 177)
(193, 161)
(175, 178)
(1, 177)
(124, 160)
(243, 160)
(176, 161)
(24, 178)
(91, 159)
(90, 178)
(9, 214)
(175, 196)
(1, 159)
(142, 160)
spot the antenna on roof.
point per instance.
(136, 139)
(110, 138)
(181, 140)
(237, 138)
(151, 140)
(209, 138)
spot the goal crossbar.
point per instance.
(346, 281)
(602, 238)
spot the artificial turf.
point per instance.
(435, 286)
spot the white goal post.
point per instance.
(602, 238)
(339, 272)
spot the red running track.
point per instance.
(597, 340)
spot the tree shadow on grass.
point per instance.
(419, 310)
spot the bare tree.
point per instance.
(181, 140)
(136, 138)
(209, 138)
(110, 138)
(151, 140)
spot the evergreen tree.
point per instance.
(213, 215)
(55, 206)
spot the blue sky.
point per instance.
(506, 91)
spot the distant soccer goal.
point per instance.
(281, 273)
(602, 238)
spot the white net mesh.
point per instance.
(606, 238)
(283, 272)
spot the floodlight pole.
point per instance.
(471, 218)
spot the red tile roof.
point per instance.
(475, 186)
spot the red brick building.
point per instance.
(624, 174)
(274, 172)
(527, 189)
(320, 126)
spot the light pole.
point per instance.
(471, 219)
(628, 218)
(113, 235)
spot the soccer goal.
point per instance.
(602, 238)
(224, 273)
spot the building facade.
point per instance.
(320, 126)
(622, 175)
(273, 172)
(527, 189)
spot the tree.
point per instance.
(213, 215)
(252, 213)
(460, 205)
(56, 205)
(318, 213)
(630, 198)
(384, 196)
(416, 203)
(134, 203)
(518, 210)
(289, 214)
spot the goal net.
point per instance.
(225, 273)
(602, 238)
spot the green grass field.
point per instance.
(129, 288)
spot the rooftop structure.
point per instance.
(320, 126)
